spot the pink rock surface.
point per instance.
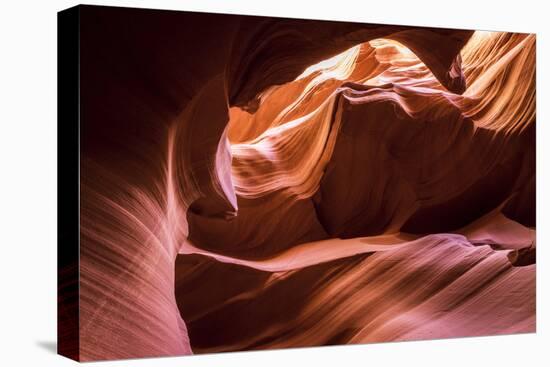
(304, 183)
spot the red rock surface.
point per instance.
(270, 183)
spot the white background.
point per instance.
(28, 182)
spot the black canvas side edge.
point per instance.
(68, 183)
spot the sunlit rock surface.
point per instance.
(253, 183)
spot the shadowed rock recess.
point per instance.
(257, 183)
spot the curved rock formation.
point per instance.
(303, 183)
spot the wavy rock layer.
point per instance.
(301, 183)
(371, 143)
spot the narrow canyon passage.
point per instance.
(369, 149)
(270, 183)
